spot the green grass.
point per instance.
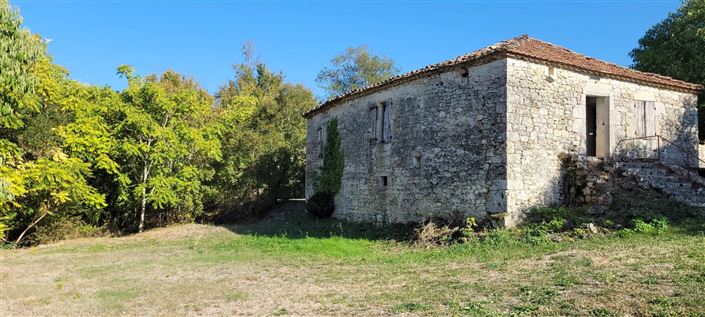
(292, 264)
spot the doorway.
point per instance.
(597, 126)
(591, 126)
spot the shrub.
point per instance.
(445, 232)
(63, 228)
(534, 234)
(498, 237)
(321, 205)
(654, 227)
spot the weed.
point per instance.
(410, 307)
(602, 312)
(236, 296)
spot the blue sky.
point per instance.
(204, 38)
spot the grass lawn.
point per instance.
(290, 264)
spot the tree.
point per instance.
(20, 51)
(52, 186)
(46, 177)
(166, 144)
(676, 47)
(263, 136)
(355, 68)
(37, 178)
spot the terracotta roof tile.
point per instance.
(524, 47)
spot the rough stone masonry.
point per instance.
(481, 135)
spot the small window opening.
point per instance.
(320, 142)
(383, 181)
(551, 74)
(372, 132)
(386, 121)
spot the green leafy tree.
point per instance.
(20, 51)
(263, 136)
(166, 144)
(676, 47)
(37, 178)
(331, 174)
(46, 178)
(52, 186)
(355, 68)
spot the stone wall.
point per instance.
(447, 153)
(486, 140)
(546, 115)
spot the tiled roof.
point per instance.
(524, 47)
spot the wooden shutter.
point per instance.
(387, 122)
(640, 118)
(373, 123)
(320, 142)
(649, 120)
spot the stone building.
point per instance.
(481, 134)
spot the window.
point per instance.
(387, 122)
(320, 142)
(383, 181)
(644, 118)
(373, 123)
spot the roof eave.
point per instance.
(480, 60)
(683, 86)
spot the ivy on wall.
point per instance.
(331, 174)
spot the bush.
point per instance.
(321, 205)
(63, 228)
(445, 232)
(656, 226)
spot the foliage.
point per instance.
(41, 178)
(653, 227)
(355, 68)
(165, 144)
(676, 47)
(161, 151)
(263, 158)
(321, 205)
(54, 187)
(62, 228)
(19, 52)
(330, 176)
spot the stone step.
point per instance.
(648, 171)
(679, 186)
(638, 163)
(689, 200)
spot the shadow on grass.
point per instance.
(290, 220)
(645, 204)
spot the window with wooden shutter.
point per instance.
(372, 132)
(645, 125)
(320, 142)
(649, 122)
(387, 122)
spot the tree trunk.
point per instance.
(43, 211)
(142, 208)
(143, 205)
